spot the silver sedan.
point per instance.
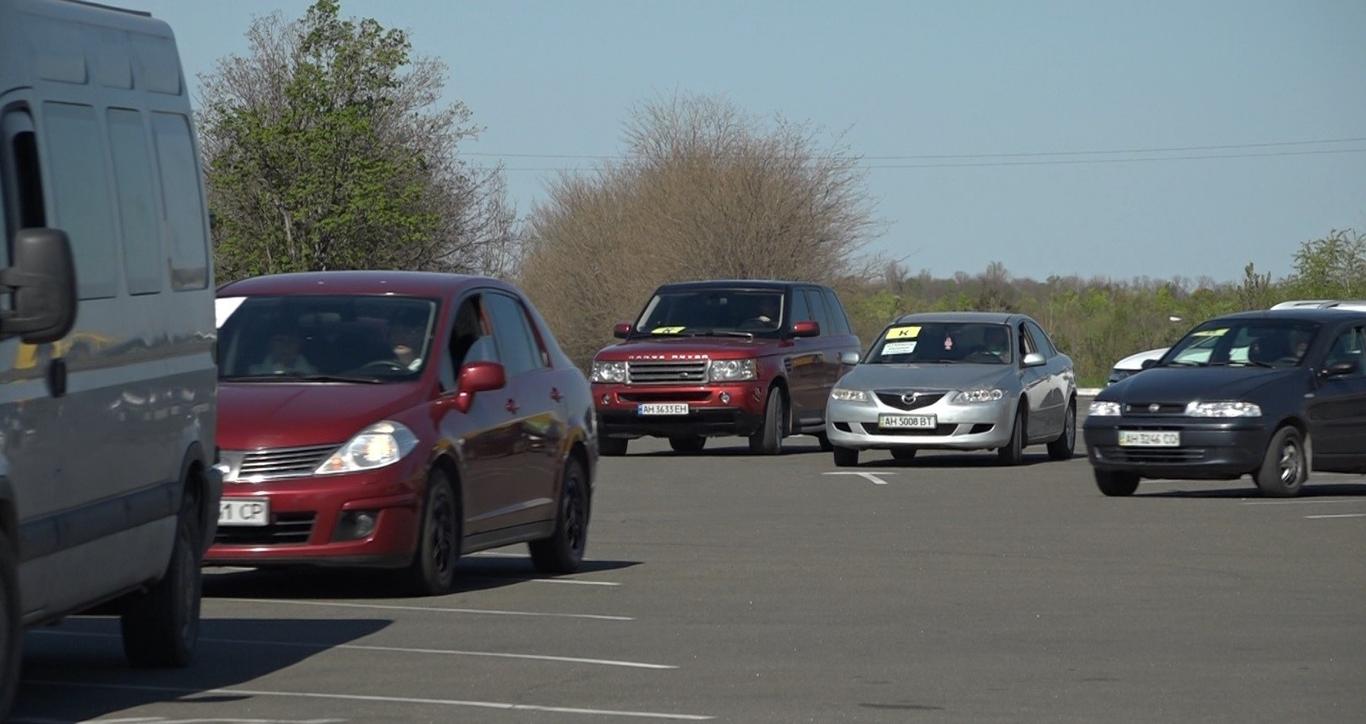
(958, 381)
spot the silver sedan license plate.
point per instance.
(907, 422)
(662, 408)
(244, 511)
(1149, 438)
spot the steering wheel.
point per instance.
(387, 365)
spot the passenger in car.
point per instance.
(284, 358)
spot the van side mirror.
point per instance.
(1341, 369)
(849, 358)
(1034, 359)
(806, 329)
(43, 277)
(477, 377)
(621, 330)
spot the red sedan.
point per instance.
(397, 419)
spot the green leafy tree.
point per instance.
(1333, 267)
(325, 148)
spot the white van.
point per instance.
(108, 495)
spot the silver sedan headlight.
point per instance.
(841, 394)
(973, 397)
(1223, 409)
(611, 372)
(731, 370)
(1104, 408)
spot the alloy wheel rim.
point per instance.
(573, 513)
(441, 538)
(1290, 463)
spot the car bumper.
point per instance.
(1209, 449)
(304, 517)
(718, 409)
(960, 427)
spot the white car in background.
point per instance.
(1133, 364)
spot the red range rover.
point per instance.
(704, 359)
(397, 419)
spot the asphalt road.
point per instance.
(754, 589)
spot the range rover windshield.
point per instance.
(1243, 343)
(943, 343)
(361, 339)
(712, 312)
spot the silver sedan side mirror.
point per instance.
(849, 358)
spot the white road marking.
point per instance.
(575, 581)
(507, 706)
(430, 609)
(497, 554)
(388, 649)
(1304, 501)
(1342, 515)
(869, 475)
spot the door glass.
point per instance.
(1041, 341)
(184, 210)
(839, 322)
(1348, 349)
(142, 256)
(817, 307)
(81, 199)
(1026, 343)
(800, 313)
(516, 344)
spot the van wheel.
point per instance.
(769, 439)
(612, 447)
(688, 443)
(1116, 483)
(1013, 452)
(846, 457)
(432, 570)
(161, 626)
(563, 551)
(1066, 445)
(11, 635)
(1284, 468)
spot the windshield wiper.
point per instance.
(302, 378)
(1245, 363)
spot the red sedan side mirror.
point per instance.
(477, 377)
(806, 329)
(622, 330)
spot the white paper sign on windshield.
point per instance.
(898, 348)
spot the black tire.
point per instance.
(824, 441)
(11, 633)
(1066, 445)
(612, 447)
(688, 443)
(1013, 452)
(769, 439)
(1285, 466)
(1116, 483)
(432, 570)
(161, 626)
(845, 457)
(903, 454)
(563, 551)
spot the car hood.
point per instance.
(275, 414)
(1183, 384)
(1135, 361)
(932, 376)
(685, 347)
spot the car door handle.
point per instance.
(512, 406)
(555, 394)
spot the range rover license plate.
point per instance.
(662, 408)
(908, 422)
(244, 511)
(1149, 438)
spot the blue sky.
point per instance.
(935, 78)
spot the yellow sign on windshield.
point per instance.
(903, 333)
(667, 330)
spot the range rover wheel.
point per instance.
(903, 454)
(845, 457)
(612, 447)
(161, 625)
(688, 443)
(1013, 452)
(432, 570)
(769, 439)
(562, 552)
(1285, 467)
(11, 635)
(1116, 483)
(1065, 446)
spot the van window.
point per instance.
(838, 319)
(142, 257)
(81, 195)
(184, 203)
(22, 178)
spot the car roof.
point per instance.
(953, 317)
(775, 284)
(407, 283)
(1307, 314)
(1341, 304)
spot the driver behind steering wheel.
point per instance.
(406, 340)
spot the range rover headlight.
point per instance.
(377, 446)
(845, 395)
(972, 397)
(1228, 408)
(612, 372)
(731, 370)
(1104, 408)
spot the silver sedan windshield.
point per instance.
(944, 343)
